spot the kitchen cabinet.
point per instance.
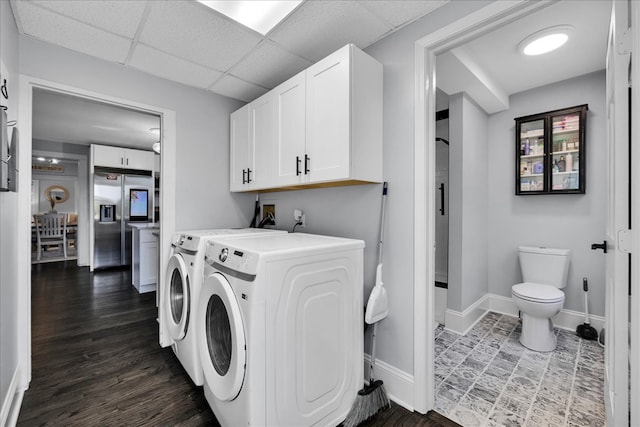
(551, 152)
(123, 158)
(144, 254)
(326, 128)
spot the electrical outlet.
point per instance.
(299, 217)
(269, 208)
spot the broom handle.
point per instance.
(373, 352)
(384, 205)
(375, 325)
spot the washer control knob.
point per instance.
(223, 255)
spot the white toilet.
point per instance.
(539, 298)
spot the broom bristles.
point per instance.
(369, 401)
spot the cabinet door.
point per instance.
(531, 158)
(261, 128)
(108, 156)
(328, 118)
(138, 159)
(290, 133)
(148, 263)
(239, 149)
(567, 151)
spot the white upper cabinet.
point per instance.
(327, 154)
(290, 130)
(252, 147)
(239, 149)
(122, 158)
(326, 128)
(261, 136)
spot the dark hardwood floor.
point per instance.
(97, 361)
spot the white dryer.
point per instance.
(280, 329)
(179, 297)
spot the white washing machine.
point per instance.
(280, 329)
(182, 286)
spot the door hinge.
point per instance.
(625, 43)
(625, 241)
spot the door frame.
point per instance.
(634, 356)
(167, 194)
(425, 51)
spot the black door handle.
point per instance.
(603, 246)
(307, 160)
(298, 165)
(442, 198)
(248, 175)
(244, 174)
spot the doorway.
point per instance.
(427, 48)
(27, 87)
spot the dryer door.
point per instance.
(177, 300)
(221, 338)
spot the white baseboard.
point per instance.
(12, 402)
(462, 322)
(398, 384)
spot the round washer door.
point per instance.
(177, 297)
(221, 338)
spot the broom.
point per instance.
(373, 397)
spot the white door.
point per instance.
(617, 261)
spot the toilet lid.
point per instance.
(537, 292)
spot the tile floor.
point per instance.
(487, 378)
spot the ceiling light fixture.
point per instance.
(546, 40)
(259, 15)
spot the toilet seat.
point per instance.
(537, 292)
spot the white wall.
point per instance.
(467, 203)
(563, 221)
(202, 161)
(8, 217)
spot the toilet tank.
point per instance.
(547, 266)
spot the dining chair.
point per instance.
(51, 230)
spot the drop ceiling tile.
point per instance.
(269, 65)
(194, 32)
(120, 17)
(66, 32)
(233, 87)
(320, 27)
(400, 12)
(169, 67)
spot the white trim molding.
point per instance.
(12, 401)
(462, 322)
(397, 383)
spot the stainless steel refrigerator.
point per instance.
(118, 199)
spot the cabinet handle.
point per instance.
(127, 162)
(307, 160)
(442, 198)
(298, 166)
(244, 174)
(248, 175)
(122, 160)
